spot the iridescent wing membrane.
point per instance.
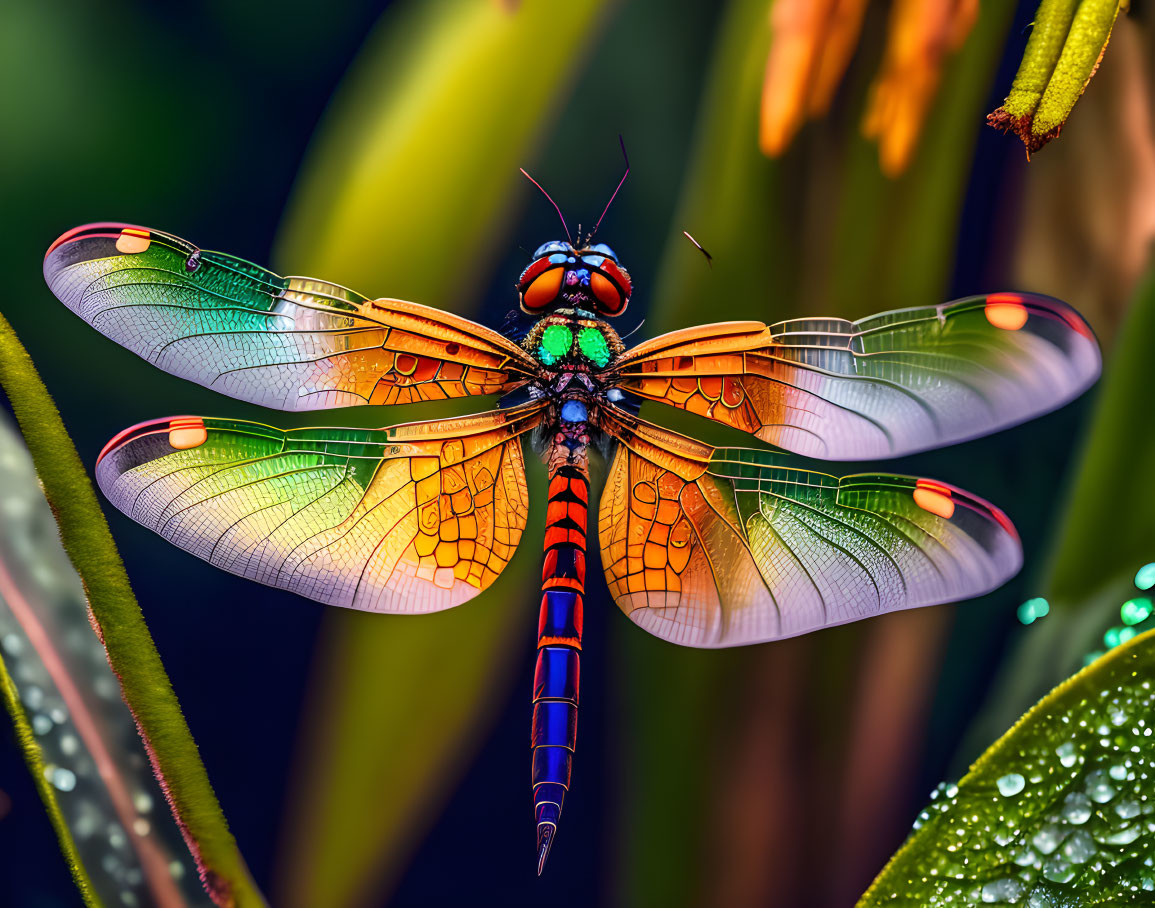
(287, 343)
(414, 518)
(884, 386)
(714, 547)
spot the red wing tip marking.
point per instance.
(1010, 311)
(941, 499)
(110, 229)
(192, 426)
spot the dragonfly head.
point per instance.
(585, 277)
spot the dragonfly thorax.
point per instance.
(573, 340)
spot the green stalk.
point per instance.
(1068, 39)
(35, 760)
(118, 619)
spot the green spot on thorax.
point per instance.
(593, 346)
(556, 341)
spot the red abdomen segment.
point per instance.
(559, 634)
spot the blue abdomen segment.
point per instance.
(558, 671)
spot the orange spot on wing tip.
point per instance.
(187, 432)
(1006, 311)
(133, 240)
(934, 497)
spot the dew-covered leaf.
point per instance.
(78, 736)
(1057, 813)
(131, 654)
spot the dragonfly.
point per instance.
(702, 546)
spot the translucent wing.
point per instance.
(413, 518)
(887, 385)
(721, 547)
(288, 343)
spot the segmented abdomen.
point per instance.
(555, 683)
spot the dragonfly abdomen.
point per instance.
(556, 677)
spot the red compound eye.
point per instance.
(607, 293)
(535, 268)
(542, 289)
(619, 277)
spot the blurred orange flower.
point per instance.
(811, 45)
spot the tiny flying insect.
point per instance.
(702, 546)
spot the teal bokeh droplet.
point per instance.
(1145, 576)
(1032, 609)
(1134, 611)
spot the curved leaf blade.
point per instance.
(117, 618)
(78, 736)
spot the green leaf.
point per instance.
(1056, 813)
(407, 193)
(117, 618)
(1068, 39)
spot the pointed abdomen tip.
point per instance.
(545, 834)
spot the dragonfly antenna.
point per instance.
(551, 201)
(622, 142)
(633, 330)
(701, 248)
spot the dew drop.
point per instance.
(1076, 808)
(1048, 838)
(1067, 754)
(1004, 890)
(62, 779)
(1127, 809)
(13, 645)
(33, 697)
(1125, 836)
(1011, 784)
(1079, 847)
(1057, 870)
(1099, 787)
(1025, 858)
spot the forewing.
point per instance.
(722, 547)
(288, 343)
(884, 386)
(413, 518)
